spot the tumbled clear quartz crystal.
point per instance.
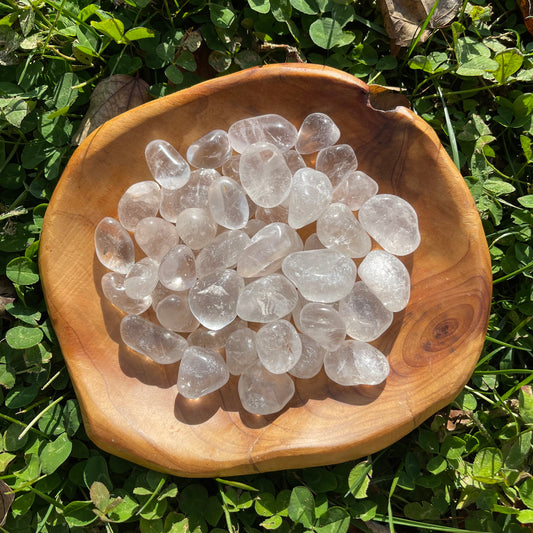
(392, 222)
(114, 246)
(166, 164)
(262, 392)
(240, 351)
(366, 318)
(213, 299)
(177, 270)
(228, 204)
(316, 132)
(270, 128)
(324, 324)
(155, 236)
(268, 247)
(265, 176)
(140, 200)
(201, 372)
(388, 278)
(310, 194)
(215, 340)
(356, 363)
(210, 151)
(338, 229)
(278, 346)
(311, 360)
(173, 313)
(355, 189)
(159, 344)
(320, 275)
(196, 227)
(114, 291)
(267, 299)
(336, 161)
(142, 278)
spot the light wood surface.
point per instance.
(130, 405)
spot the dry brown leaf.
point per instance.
(111, 96)
(526, 6)
(404, 18)
(6, 499)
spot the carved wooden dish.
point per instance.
(130, 404)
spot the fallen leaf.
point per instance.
(111, 97)
(526, 6)
(404, 18)
(6, 499)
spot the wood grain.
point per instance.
(130, 404)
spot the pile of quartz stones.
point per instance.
(234, 287)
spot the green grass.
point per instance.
(464, 469)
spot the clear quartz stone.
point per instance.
(159, 344)
(310, 195)
(264, 393)
(295, 315)
(241, 351)
(324, 324)
(386, 276)
(316, 132)
(392, 222)
(173, 313)
(215, 340)
(267, 299)
(338, 229)
(355, 189)
(166, 164)
(278, 346)
(196, 227)
(114, 291)
(177, 270)
(320, 275)
(213, 299)
(356, 363)
(159, 293)
(142, 279)
(140, 200)
(228, 204)
(265, 176)
(114, 246)
(201, 372)
(155, 236)
(210, 151)
(311, 360)
(336, 161)
(366, 318)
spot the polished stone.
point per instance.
(140, 200)
(210, 151)
(114, 291)
(177, 270)
(166, 164)
(278, 346)
(114, 246)
(316, 132)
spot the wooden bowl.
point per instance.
(130, 405)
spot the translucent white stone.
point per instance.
(366, 318)
(213, 299)
(210, 151)
(313, 243)
(267, 250)
(196, 227)
(228, 204)
(355, 189)
(269, 215)
(392, 222)
(159, 344)
(173, 313)
(193, 194)
(320, 275)
(201, 372)
(386, 276)
(156, 236)
(240, 351)
(253, 226)
(264, 393)
(316, 132)
(338, 229)
(356, 363)
(114, 246)
(215, 340)
(310, 194)
(265, 176)
(278, 346)
(311, 360)
(166, 164)
(336, 161)
(114, 291)
(294, 160)
(267, 299)
(142, 279)
(222, 253)
(231, 167)
(324, 324)
(269, 128)
(177, 270)
(140, 200)
(296, 311)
